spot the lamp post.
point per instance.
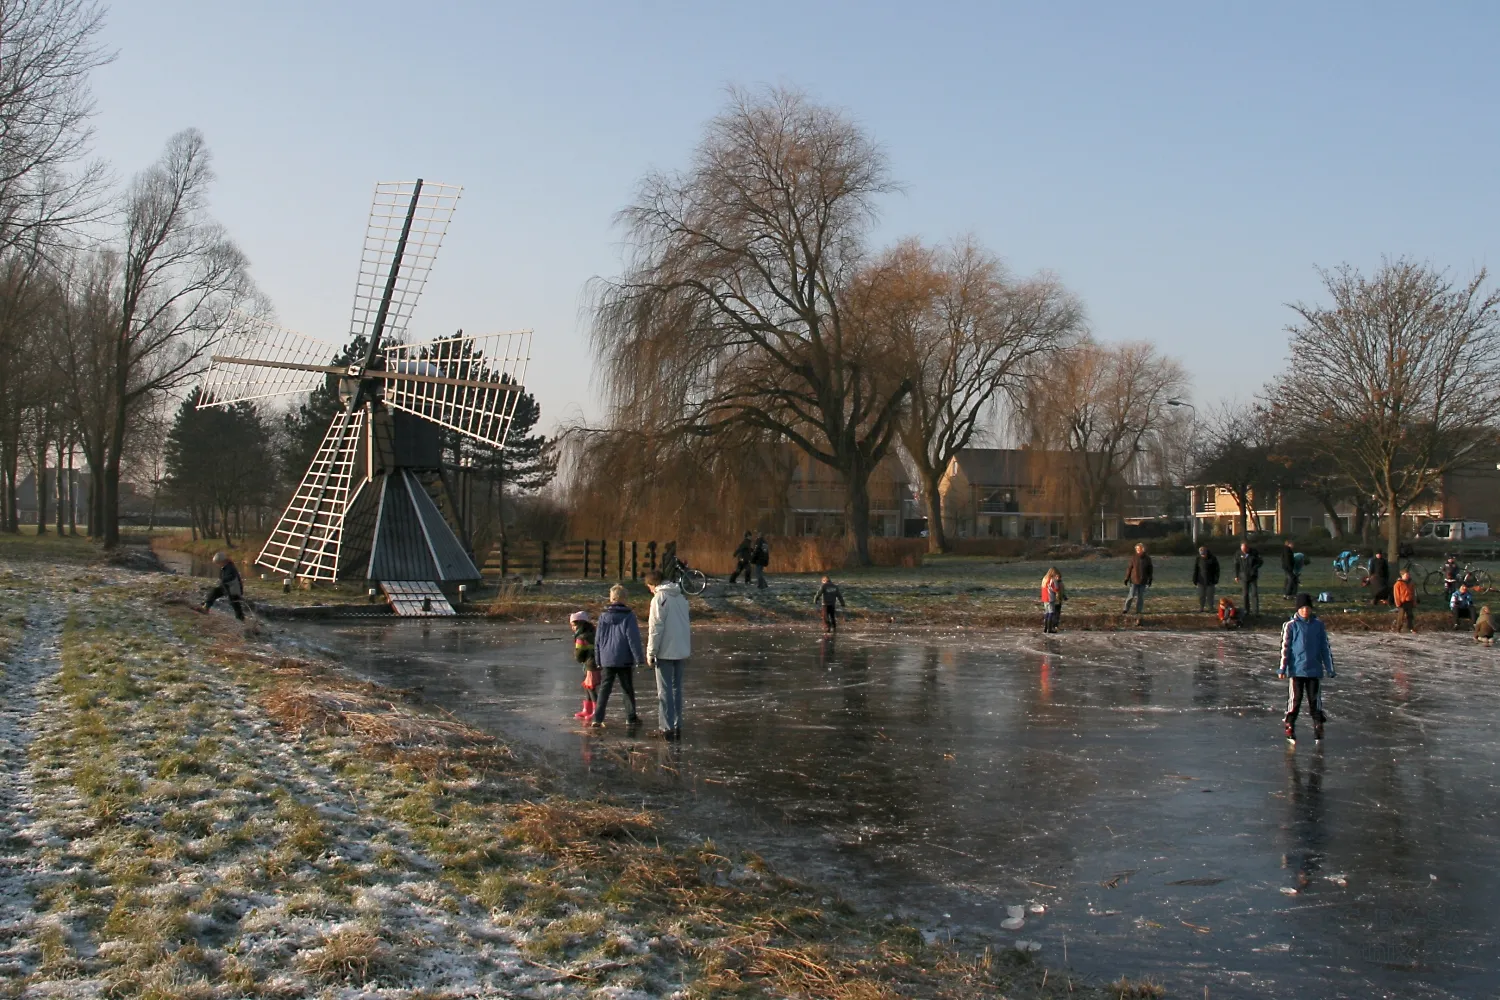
(1192, 514)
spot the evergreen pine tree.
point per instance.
(304, 428)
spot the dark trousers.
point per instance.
(760, 576)
(1406, 617)
(234, 602)
(1462, 615)
(1312, 688)
(742, 566)
(830, 618)
(1293, 581)
(1250, 597)
(1205, 596)
(626, 676)
(1051, 617)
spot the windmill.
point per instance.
(372, 502)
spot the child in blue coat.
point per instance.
(1305, 660)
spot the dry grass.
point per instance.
(565, 825)
(350, 955)
(715, 554)
(1126, 988)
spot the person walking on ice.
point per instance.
(1305, 660)
(617, 649)
(669, 642)
(828, 594)
(230, 585)
(1138, 577)
(742, 553)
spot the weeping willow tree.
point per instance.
(733, 315)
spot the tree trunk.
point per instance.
(12, 488)
(857, 508)
(937, 538)
(1333, 516)
(1393, 532)
(41, 484)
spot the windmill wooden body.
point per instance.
(375, 502)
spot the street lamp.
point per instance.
(1192, 514)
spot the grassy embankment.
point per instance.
(215, 819)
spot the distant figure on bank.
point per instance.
(1137, 579)
(1053, 595)
(583, 652)
(669, 643)
(1247, 566)
(1404, 596)
(827, 596)
(1205, 577)
(1291, 567)
(1462, 606)
(617, 649)
(760, 556)
(1380, 579)
(742, 554)
(1305, 660)
(230, 585)
(1229, 615)
(1484, 627)
(1451, 574)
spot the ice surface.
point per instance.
(1135, 785)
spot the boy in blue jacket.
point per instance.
(617, 649)
(1305, 660)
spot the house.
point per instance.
(814, 498)
(1018, 493)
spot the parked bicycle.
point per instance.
(1345, 563)
(692, 581)
(1477, 579)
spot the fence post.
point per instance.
(621, 564)
(651, 556)
(544, 559)
(632, 561)
(604, 558)
(587, 544)
(504, 559)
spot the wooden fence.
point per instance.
(588, 559)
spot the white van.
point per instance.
(1454, 531)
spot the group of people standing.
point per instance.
(752, 555)
(611, 650)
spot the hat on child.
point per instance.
(1304, 600)
(578, 616)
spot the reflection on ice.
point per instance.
(1129, 794)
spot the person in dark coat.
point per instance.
(1380, 578)
(760, 556)
(1138, 575)
(617, 649)
(1205, 577)
(1247, 566)
(230, 585)
(1292, 567)
(1306, 659)
(742, 555)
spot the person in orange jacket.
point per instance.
(1404, 596)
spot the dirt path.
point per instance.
(35, 658)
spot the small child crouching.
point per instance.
(1229, 615)
(583, 652)
(1484, 627)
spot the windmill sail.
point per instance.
(466, 384)
(307, 539)
(261, 361)
(389, 237)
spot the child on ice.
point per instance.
(1305, 660)
(829, 593)
(1053, 596)
(1229, 615)
(583, 652)
(1484, 627)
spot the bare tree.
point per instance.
(180, 285)
(1097, 403)
(1396, 383)
(966, 333)
(1237, 456)
(731, 310)
(47, 50)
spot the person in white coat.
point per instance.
(668, 644)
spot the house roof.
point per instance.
(1007, 466)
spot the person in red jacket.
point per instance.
(1404, 596)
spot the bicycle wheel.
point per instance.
(1481, 581)
(693, 582)
(1432, 583)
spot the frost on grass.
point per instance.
(211, 819)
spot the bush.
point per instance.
(714, 554)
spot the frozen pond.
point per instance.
(1136, 784)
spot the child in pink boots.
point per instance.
(583, 652)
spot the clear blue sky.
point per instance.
(1182, 167)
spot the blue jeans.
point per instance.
(669, 694)
(1138, 595)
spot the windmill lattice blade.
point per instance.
(307, 538)
(387, 217)
(481, 413)
(236, 381)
